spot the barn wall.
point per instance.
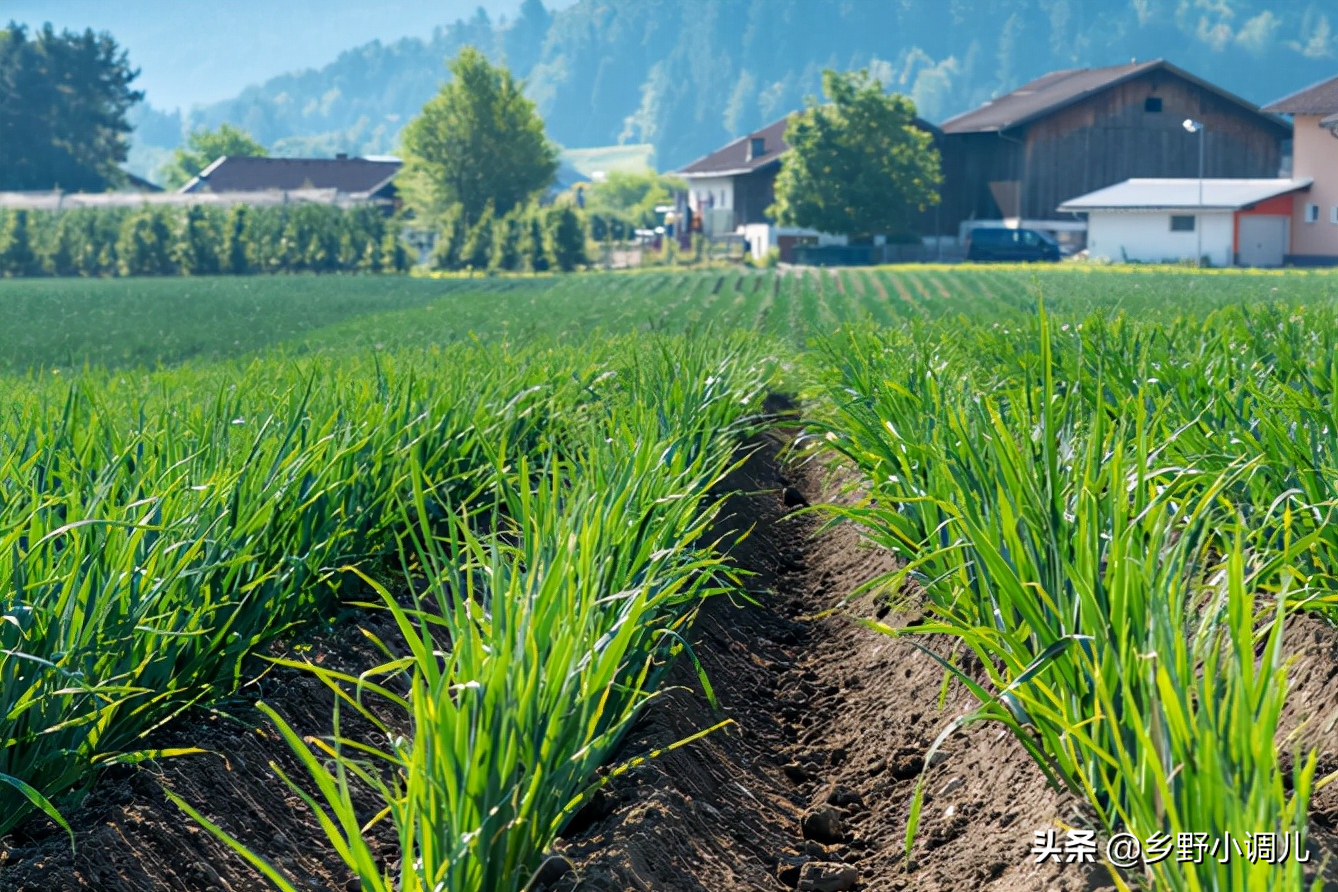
(1110, 137)
(971, 161)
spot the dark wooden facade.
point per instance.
(1133, 128)
(754, 193)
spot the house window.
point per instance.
(1333, 213)
(1152, 104)
(1311, 213)
(757, 147)
(1182, 223)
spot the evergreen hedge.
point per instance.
(199, 240)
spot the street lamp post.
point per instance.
(1194, 126)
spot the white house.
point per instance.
(1242, 222)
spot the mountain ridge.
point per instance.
(689, 75)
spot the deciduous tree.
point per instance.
(479, 141)
(858, 165)
(632, 195)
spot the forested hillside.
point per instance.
(687, 75)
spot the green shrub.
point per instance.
(477, 251)
(17, 257)
(535, 255)
(566, 233)
(234, 254)
(450, 241)
(506, 238)
(144, 247)
(197, 247)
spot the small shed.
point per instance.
(1231, 222)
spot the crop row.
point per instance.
(158, 531)
(1116, 517)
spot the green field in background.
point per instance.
(117, 323)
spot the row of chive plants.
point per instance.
(550, 613)
(1077, 521)
(157, 530)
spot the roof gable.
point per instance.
(1058, 90)
(733, 159)
(1316, 99)
(246, 174)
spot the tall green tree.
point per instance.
(63, 103)
(204, 147)
(858, 165)
(479, 141)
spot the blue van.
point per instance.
(999, 245)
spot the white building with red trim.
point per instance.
(1225, 222)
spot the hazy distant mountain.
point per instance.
(687, 75)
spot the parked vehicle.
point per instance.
(997, 244)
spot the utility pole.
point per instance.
(1194, 126)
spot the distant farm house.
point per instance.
(1312, 226)
(1014, 160)
(353, 180)
(260, 182)
(730, 190)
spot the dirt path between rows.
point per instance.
(809, 788)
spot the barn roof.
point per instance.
(1316, 99)
(244, 174)
(1060, 89)
(1182, 194)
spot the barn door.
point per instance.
(1263, 240)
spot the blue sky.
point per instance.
(199, 51)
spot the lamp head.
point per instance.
(1192, 125)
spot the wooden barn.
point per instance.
(1072, 132)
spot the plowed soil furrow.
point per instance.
(832, 723)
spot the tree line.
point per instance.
(199, 240)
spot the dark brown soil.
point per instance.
(832, 721)
(130, 838)
(831, 724)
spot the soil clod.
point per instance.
(824, 824)
(827, 876)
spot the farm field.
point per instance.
(67, 323)
(517, 573)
